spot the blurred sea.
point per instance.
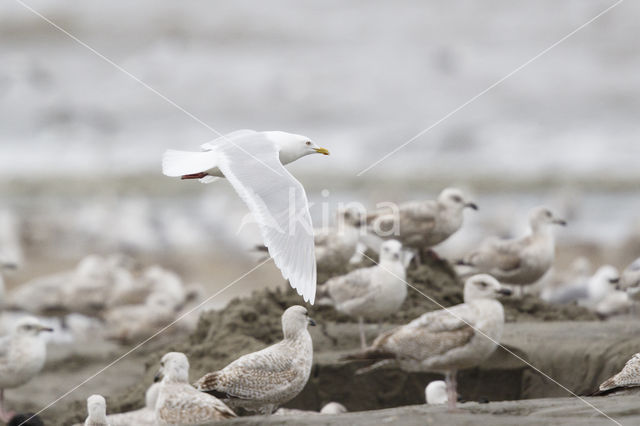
(80, 142)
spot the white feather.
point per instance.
(208, 146)
(278, 202)
(178, 163)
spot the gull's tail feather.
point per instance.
(180, 163)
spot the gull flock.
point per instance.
(132, 302)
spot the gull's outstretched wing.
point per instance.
(208, 146)
(278, 202)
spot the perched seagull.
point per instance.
(22, 356)
(520, 261)
(436, 393)
(422, 224)
(97, 410)
(446, 340)
(336, 246)
(630, 280)
(374, 292)
(628, 377)
(178, 402)
(260, 381)
(600, 285)
(253, 162)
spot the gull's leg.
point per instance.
(194, 175)
(450, 380)
(5, 416)
(363, 341)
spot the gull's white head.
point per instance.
(333, 408)
(30, 326)
(295, 319)
(483, 286)
(174, 368)
(436, 392)
(97, 408)
(391, 251)
(541, 217)
(603, 282)
(292, 146)
(454, 199)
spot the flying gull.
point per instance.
(253, 162)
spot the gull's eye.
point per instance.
(547, 213)
(308, 142)
(483, 284)
(456, 199)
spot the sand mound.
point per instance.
(248, 324)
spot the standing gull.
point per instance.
(446, 340)
(260, 381)
(22, 356)
(97, 410)
(253, 162)
(423, 224)
(374, 292)
(628, 377)
(178, 402)
(520, 261)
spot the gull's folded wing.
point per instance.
(278, 202)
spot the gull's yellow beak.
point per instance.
(324, 151)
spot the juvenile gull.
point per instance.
(336, 246)
(22, 356)
(628, 377)
(520, 261)
(436, 392)
(260, 381)
(131, 322)
(446, 340)
(97, 410)
(253, 162)
(423, 224)
(178, 402)
(374, 292)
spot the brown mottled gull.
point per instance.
(423, 224)
(260, 381)
(374, 292)
(520, 261)
(178, 402)
(628, 377)
(446, 340)
(97, 411)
